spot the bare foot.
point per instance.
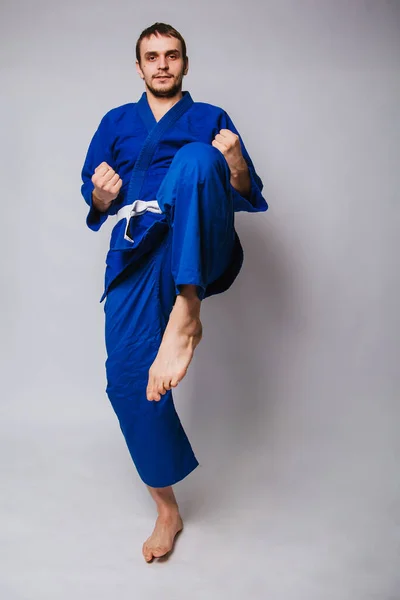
(182, 335)
(162, 539)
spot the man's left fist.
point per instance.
(228, 143)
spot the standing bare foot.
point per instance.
(162, 539)
(182, 334)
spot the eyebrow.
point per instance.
(153, 52)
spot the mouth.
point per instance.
(163, 77)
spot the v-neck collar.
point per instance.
(146, 114)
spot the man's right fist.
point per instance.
(107, 184)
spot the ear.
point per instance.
(139, 70)
(185, 72)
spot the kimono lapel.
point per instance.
(155, 133)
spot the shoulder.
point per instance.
(207, 114)
(208, 109)
(214, 113)
(118, 113)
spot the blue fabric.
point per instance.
(197, 200)
(141, 151)
(192, 241)
(136, 313)
(197, 248)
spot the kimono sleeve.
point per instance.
(99, 150)
(255, 202)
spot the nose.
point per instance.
(163, 62)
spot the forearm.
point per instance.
(240, 179)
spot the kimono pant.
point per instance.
(196, 197)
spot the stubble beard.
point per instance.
(169, 92)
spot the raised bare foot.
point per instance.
(162, 539)
(182, 335)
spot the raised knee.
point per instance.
(201, 154)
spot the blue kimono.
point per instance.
(175, 226)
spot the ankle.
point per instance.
(168, 510)
(189, 292)
(187, 306)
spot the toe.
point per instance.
(178, 377)
(147, 552)
(160, 387)
(151, 390)
(160, 551)
(152, 387)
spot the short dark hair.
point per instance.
(161, 29)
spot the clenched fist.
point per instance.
(228, 143)
(107, 184)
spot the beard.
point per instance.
(167, 90)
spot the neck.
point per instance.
(160, 106)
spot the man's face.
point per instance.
(161, 65)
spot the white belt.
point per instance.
(138, 207)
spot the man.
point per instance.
(174, 172)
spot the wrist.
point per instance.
(100, 204)
(239, 168)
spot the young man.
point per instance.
(173, 171)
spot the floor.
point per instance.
(74, 515)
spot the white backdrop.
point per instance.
(291, 403)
